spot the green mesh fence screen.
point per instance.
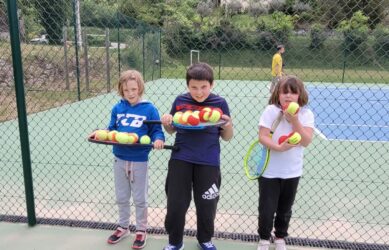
(73, 53)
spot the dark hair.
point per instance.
(280, 46)
(289, 84)
(199, 71)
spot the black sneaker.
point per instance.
(140, 240)
(119, 234)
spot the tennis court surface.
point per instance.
(16, 236)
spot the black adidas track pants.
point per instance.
(205, 180)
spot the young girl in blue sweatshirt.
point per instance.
(131, 163)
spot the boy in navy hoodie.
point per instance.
(131, 163)
(197, 164)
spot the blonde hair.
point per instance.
(286, 84)
(134, 75)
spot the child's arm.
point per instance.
(265, 139)
(167, 120)
(227, 131)
(305, 132)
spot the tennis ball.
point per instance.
(145, 139)
(132, 138)
(122, 137)
(185, 116)
(194, 119)
(282, 139)
(215, 115)
(204, 114)
(112, 135)
(293, 108)
(177, 116)
(101, 135)
(295, 138)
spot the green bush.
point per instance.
(317, 36)
(355, 32)
(381, 43)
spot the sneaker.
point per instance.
(207, 246)
(174, 247)
(119, 234)
(263, 245)
(140, 240)
(280, 244)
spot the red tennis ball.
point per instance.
(185, 116)
(282, 139)
(193, 119)
(204, 114)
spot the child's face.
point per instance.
(289, 96)
(131, 92)
(199, 89)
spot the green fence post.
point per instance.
(21, 108)
(160, 53)
(76, 43)
(143, 54)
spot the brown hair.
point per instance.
(128, 75)
(292, 84)
(199, 71)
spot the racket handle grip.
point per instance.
(152, 122)
(174, 148)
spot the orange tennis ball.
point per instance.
(177, 116)
(101, 135)
(293, 108)
(295, 138)
(112, 135)
(215, 115)
(132, 138)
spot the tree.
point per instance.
(53, 16)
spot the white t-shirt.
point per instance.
(287, 164)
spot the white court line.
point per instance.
(354, 125)
(320, 134)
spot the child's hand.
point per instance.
(167, 119)
(228, 123)
(291, 118)
(286, 146)
(158, 144)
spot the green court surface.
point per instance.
(15, 236)
(340, 196)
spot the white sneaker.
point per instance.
(280, 244)
(263, 245)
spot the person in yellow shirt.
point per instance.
(277, 67)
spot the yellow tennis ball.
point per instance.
(293, 108)
(101, 135)
(122, 137)
(177, 116)
(295, 138)
(145, 139)
(215, 116)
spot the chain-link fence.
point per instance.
(74, 51)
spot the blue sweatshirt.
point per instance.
(128, 118)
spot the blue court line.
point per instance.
(351, 113)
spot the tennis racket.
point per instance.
(258, 156)
(200, 126)
(174, 148)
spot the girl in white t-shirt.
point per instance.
(278, 184)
